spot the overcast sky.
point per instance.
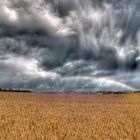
(63, 45)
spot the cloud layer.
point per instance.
(63, 45)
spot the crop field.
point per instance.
(29, 116)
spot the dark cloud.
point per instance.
(46, 44)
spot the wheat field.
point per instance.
(69, 117)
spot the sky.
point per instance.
(70, 45)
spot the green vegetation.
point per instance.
(14, 90)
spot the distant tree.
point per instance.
(14, 90)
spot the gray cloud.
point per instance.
(44, 43)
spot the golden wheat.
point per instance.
(69, 117)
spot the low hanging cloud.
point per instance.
(44, 44)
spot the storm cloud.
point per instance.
(70, 45)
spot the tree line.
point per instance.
(14, 90)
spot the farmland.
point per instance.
(29, 116)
